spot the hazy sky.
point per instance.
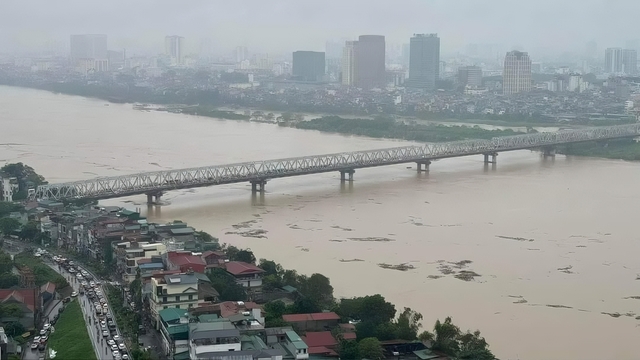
(286, 25)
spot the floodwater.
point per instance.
(554, 241)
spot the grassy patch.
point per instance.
(42, 272)
(71, 339)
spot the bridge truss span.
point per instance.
(157, 182)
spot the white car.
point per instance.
(117, 338)
(74, 294)
(46, 326)
(114, 347)
(115, 353)
(125, 357)
(122, 347)
(105, 333)
(110, 342)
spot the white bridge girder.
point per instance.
(158, 181)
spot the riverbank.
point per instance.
(621, 149)
(389, 128)
(209, 103)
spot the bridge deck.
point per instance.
(158, 181)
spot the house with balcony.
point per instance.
(206, 340)
(247, 275)
(130, 252)
(179, 291)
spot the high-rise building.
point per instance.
(629, 61)
(470, 76)
(516, 75)
(174, 49)
(241, 53)
(613, 60)
(424, 61)
(308, 66)
(370, 68)
(349, 63)
(88, 46)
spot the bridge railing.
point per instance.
(114, 186)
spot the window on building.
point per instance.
(165, 307)
(190, 297)
(164, 299)
(177, 298)
(177, 306)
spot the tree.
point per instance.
(30, 231)
(270, 267)
(304, 305)
(445, 337)
(205, 237)
(274, 311)
(387, 331)
(408, 324)
(24, 173)
(227, 286)
(271, 282)
(11, 310)
(349, 350)
(14, 328)
(8, 280)
(245, 255)
(235, 254)
(7, 208)
(9, 226)
(372, 308)
(317, 287)
(370, 348)
(474, 347)
(5, 263)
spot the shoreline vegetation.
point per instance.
(207, 103)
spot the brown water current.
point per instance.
(539, 254)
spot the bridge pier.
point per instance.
(426, 164)
(258, 185)
(343, 174)
(154, 197)
(548, 151)
(493, 156)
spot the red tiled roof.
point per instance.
(242, 268)
(319, 339)
(49, 287)
(310, 317)
(322, 350)
(180, 260)
(25, 296)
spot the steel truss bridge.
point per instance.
(154, 183)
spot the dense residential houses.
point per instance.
(175, 266)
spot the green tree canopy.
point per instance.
(7, 208)
(349, 350)
(370, 348)
(408, 324)
(9, 226)
(371, 308)
(227, 286)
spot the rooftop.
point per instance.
(311, 317)
(237, 268)
(296, 340)
(180, 279)
(171, 315)
(319, 339)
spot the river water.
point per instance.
(554, 241)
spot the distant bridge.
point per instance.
(155, 183)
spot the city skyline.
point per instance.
(226, 27)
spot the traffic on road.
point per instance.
(105, 336)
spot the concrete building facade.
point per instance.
(424, 61)
(308, 65)
(516, 76)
